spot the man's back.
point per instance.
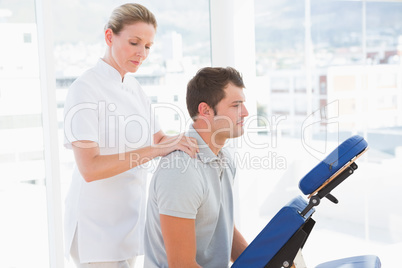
(198, 189)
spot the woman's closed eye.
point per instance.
(136, 44)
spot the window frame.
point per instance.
(50, 136)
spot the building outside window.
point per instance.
(352, 72)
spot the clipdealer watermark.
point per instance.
(241, 161)
(112, 130)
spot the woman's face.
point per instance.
(130, 47)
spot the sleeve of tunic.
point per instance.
(81, 120)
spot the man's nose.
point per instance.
(244, 111)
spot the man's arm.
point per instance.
(239, 244)
(180, 241)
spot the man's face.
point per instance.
(230, 113)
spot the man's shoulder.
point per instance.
(176, 156)
(178, 162)
(178, 175)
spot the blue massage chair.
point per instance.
(279, 244)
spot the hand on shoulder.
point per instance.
(179, 142)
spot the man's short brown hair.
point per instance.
(208, 86)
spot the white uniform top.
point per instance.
(109, 213)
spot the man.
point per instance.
(190, 206)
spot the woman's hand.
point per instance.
(180, 142)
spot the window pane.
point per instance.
(279, 35)
(23, 227)
(384, 31)
(337, 43)
(353, 66)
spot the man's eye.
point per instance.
(134, 44)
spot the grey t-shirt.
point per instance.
(199, 189)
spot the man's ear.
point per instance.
(108, 36)
(204, 110)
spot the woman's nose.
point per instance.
(141, 52)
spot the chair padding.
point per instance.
(274, 236)
(366, 261)
(332, 163)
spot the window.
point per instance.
(23, 204)
(346, 76)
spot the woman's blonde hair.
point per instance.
(128, 14)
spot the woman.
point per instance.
(109, 125)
